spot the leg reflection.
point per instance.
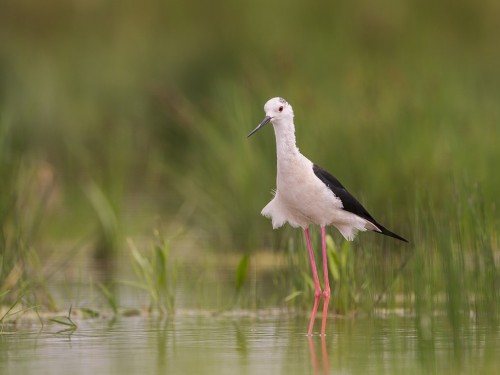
(324, 355)
(312, 353)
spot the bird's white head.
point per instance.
(277, 110)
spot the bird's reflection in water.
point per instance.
(324, 356)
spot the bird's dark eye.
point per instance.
(280, 109)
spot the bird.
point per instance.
(307, 194)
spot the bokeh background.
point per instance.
(122, 119)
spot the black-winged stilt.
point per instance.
(307, 194)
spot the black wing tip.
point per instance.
(350, 203)
(392, 234)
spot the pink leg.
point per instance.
(325, 314)
(317, 292)
(326, 292)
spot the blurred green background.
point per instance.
(121, 117)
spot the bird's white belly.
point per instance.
(301, 198)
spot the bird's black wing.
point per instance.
(350, 203)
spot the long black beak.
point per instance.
(264, 122)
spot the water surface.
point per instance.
(248, 343)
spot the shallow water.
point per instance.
(267, 343)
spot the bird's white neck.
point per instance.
(286, 148)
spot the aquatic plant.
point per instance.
(402, 103)
(65, 321)
(157, 274)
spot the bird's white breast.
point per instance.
(301, 198)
